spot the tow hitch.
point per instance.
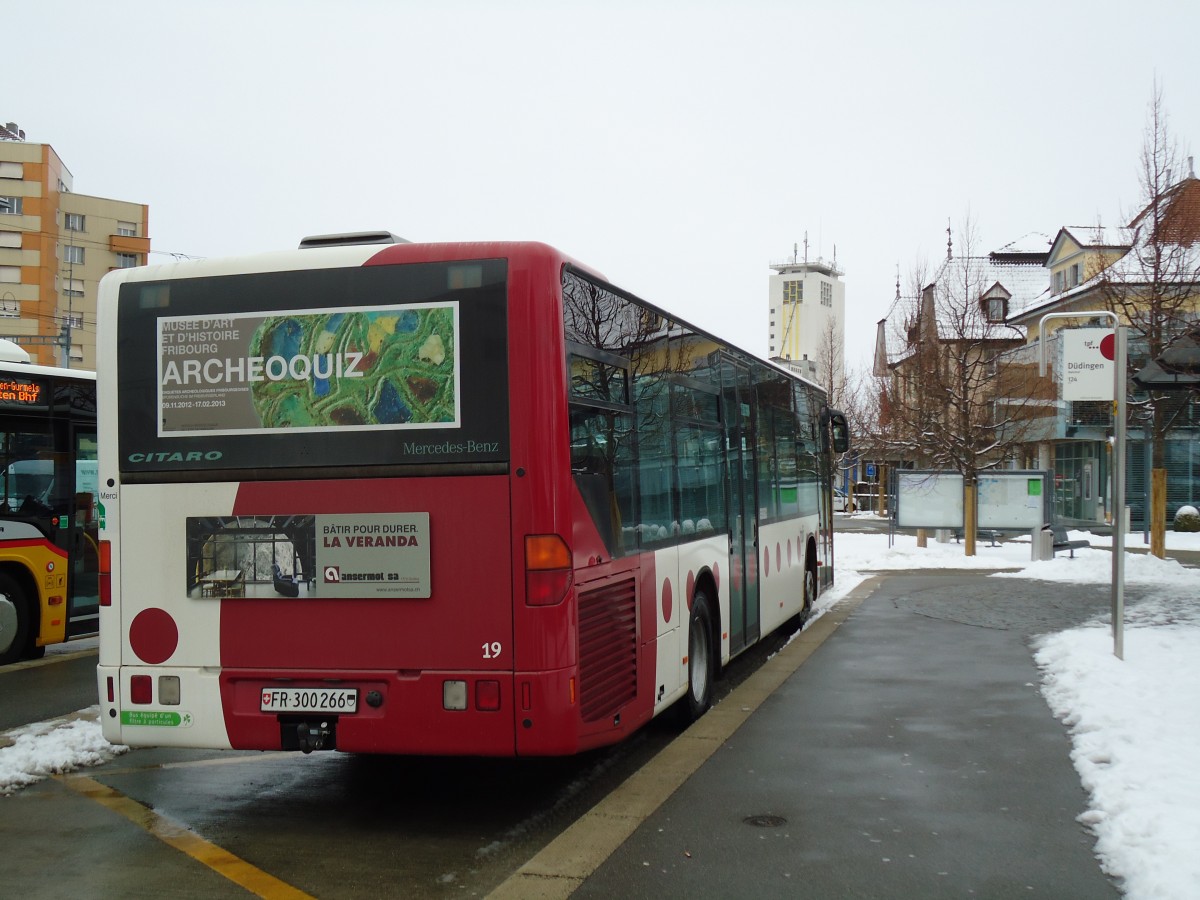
(309, 736)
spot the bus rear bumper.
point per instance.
(449, 713)
(161, 706)
(436, 713)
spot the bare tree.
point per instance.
(829, 363)
(940, 396)
(1154, 287)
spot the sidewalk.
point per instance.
(910, 756)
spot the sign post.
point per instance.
(1094, 368)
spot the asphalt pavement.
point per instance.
(910, 755)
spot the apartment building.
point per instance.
(55, 246)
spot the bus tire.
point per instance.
(702, 667)
(811, 589)
(23, 639)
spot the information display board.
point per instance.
(929, 499)
(1013, 500)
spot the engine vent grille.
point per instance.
(607, 649)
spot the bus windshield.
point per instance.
(48, 503)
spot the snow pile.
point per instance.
(53, 747)
(1135, 730)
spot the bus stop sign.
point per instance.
(1087, 364)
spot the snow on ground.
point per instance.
(53, 747)
(1135, 731)
(1135, 723)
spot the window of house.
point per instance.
(11, 206)
(10, 274)
(74, 222)
(826, 294)
(994, 309)
(127, 229)
(74, 320)
(126, 260)
(1058, 282)
(793, 291)
(12, 170)
(10, 309)
(10, 239)
(1075, 274)
(73, 254)
(73, 287)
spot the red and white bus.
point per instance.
(468, 498)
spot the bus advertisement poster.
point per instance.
(373, 555)
(344, 368)
(343, 555)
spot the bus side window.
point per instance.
(600, 467)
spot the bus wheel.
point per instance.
(701, 660)
(810, 591)
(19, 648)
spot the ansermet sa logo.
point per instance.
(190, 456)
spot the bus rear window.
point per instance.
(384, 365)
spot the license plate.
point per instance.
(326, 700)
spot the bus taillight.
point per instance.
(105, 554)
(548, 574)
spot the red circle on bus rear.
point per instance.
(666, 600)
(153, 635)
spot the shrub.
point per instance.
(1187, 518)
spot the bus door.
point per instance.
(737, 413)
(83, 585)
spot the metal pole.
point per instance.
(1118, 563)
(1147, 478)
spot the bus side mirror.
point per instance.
(835, 433)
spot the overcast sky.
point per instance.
(679, 148)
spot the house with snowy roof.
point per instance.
(1148, 273)
(935, 354)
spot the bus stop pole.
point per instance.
(1120, 362)
(1118, 563)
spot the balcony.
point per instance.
(124, 243)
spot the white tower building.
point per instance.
(808, 315)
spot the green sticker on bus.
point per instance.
(155, 717)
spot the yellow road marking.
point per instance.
(221, 861)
